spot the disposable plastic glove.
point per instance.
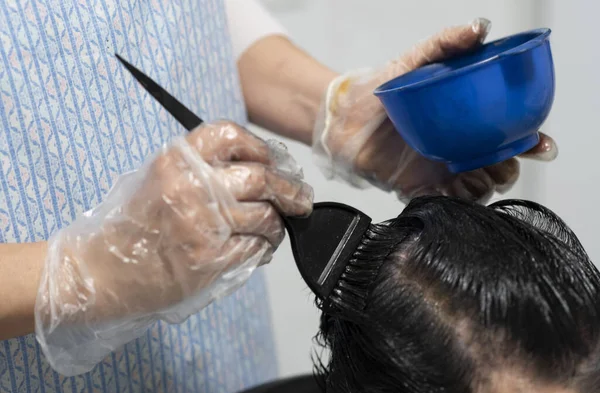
(355, 141)
(187, 228)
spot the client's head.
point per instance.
(456, 297)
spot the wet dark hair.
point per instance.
(450, 291)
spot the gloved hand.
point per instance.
(354, 139)
(187, 228)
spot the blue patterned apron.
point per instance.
(71, 120)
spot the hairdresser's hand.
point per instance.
(190, 226)
(355, 140)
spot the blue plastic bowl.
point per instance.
(479, 109)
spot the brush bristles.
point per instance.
(350, 295)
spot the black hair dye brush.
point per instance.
(322, 243)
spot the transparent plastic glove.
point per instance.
(355, 141)
(187, 228)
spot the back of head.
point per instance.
(456, 297)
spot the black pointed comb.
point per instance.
(322, 243)
(182, 114)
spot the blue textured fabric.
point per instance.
(71, 120)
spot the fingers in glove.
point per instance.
(447, 43)
(255, 182)
(545, 150)
(476, 185)
(460, 39)
(257, 219)
(238, 250)
(504, 174)
(227, 141)
(405, 196)
(247, 250)
(190, 210)
(190, 215)
(166, 181)
(443, 45)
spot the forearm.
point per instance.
(283, 87)
(20, 271)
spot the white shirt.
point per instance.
(249, 21)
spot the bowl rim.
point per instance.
(541, 35)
